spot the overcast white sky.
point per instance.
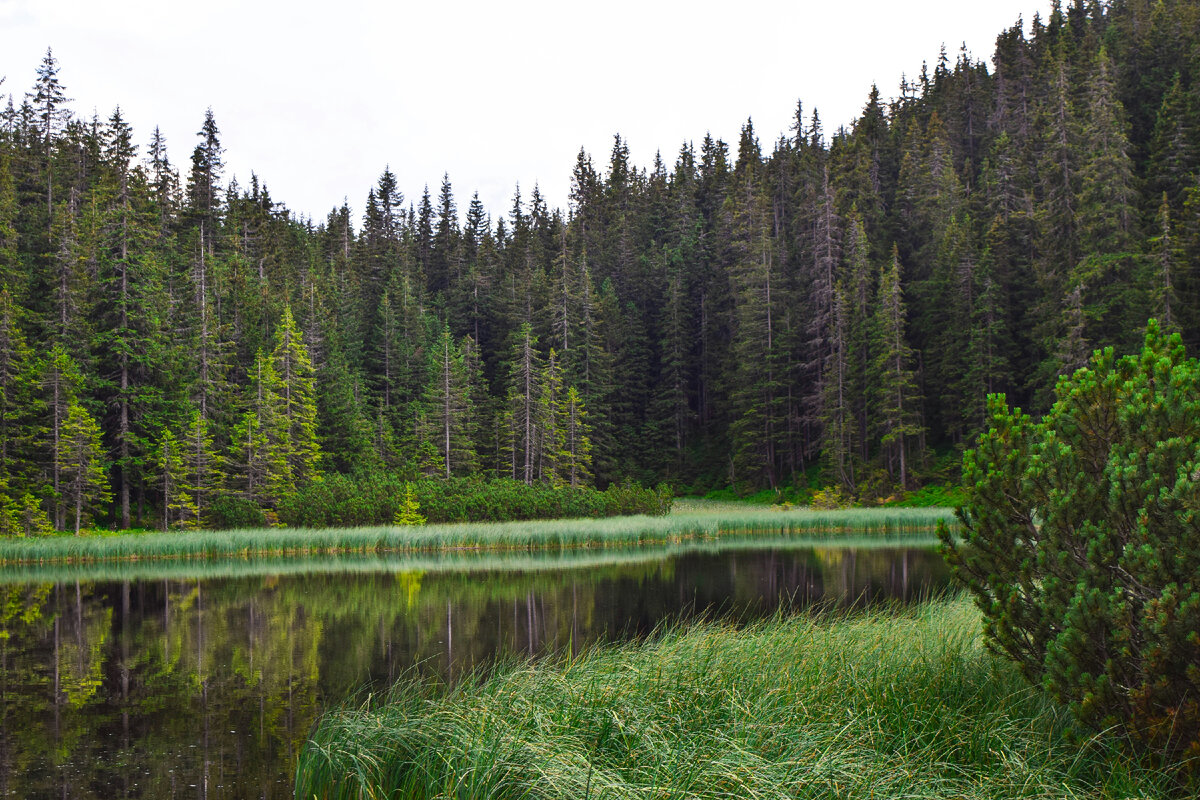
(318, 97)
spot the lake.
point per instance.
(203, 680)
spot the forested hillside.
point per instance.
(837, 300)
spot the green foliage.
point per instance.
(85, 484)
(379, 499)
(846, 302)
(935, 495)
(830, 498)
(410, 509)
(23, 516)
(1081, 542)
(228, 512)
(296, 402)
(179, 508)
(877, 705)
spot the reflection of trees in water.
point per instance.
(174, 688)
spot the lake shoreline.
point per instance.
(677, 528)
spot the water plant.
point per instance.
(894, 525)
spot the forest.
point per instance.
(827, 308)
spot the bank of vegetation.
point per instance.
(880, 525)
(341, 501)
(883, 704)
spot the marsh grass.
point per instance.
(893, 525)
(885, 704)
(450, 560)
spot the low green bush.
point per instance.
(934, 495)
(375, 499)
(233, 513)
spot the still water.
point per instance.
(206, 686)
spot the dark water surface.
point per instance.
(184, 687)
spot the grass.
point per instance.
(692, 524)
(887, 704)
(451, 560)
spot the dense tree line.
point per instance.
(837, 304)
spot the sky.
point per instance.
(318, 98)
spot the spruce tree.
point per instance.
(1164, 258)
(520, 417)
(448, 407)
(49, 100)
(61, 383)
(758, 425)
(575, 463)
(21, 404)
(84, 483)
(258, 466)
(202, 475)
(1107, 214)
(296, 392)
(178, 507)
(549, 437)
(893, 388)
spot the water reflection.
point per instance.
(207, 688)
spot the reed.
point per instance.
(449, 560)
(885, 704)
(892, 525)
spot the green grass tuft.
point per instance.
(887, 704)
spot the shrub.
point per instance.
(1081, 542)
(376, 499)
(410, 510)
(230, 513)
(829, 499)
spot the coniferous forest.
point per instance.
(831, 305)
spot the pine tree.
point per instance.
(202, 476)
(448, 407)
(820, 336)
(1174, 146)
(21, 516)
(857, 282)
(837, 424)
(204, 182)
(84, 482)
(410, 509)
(129, 304)
(258, 466)
(178, 506)
(523, 388)
(49, 100)
(1164, 257)
(164, 181)
(13, 278)
(894, 389)
(297, 416)
(61, 382)
(758, 426)
(445, 266)
(21, 405)
(549, 440)
(1106, 214)
(575, 463)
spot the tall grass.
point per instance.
(894, 525)
(450, 560)
(885, 705)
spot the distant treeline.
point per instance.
(832, 303)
